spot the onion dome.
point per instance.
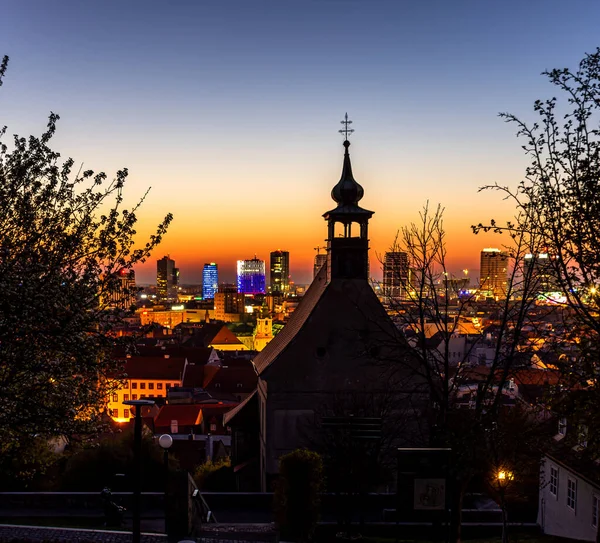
(347, 192)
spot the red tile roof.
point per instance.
(154, 367)
(184, 414)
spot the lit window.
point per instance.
(125, 397)
(142, 386)
(115, 413)
(115, 397)
(159, 386)
(134, 396)
(572, 494)
(213, 427)
(553, 481)
(595, 510)
(562, 426)
(133, 385)
(151, 386)
(126, 413)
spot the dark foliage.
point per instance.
(297, 492)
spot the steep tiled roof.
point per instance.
(184, 414)
(154, 367)
(194, 376)
(233, 412)
(194, 355)
(229, 379)
(300, 315)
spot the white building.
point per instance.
(569, 501)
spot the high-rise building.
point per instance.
(493, 273)
(539, 273)
(251, 276)
(122, 290)
(210, 281)
(229, 303)
(167, 279)
(320, 260)
(395, 274)
(280, 272)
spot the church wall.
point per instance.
(335, 357)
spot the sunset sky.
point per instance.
(230, 110)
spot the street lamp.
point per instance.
(504, 477)
(137, 461)
(165, 441)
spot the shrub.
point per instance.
(297, 494)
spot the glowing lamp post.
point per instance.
(503, 478)
(165, 441)
(137, 461)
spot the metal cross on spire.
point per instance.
(346, 131)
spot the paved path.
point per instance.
(13, 533)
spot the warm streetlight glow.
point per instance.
(593, 290)
(505, 475)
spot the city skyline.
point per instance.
(231, 114)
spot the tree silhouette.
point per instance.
(64, 239)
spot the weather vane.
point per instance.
(346, 131)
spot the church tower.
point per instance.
(348, 225)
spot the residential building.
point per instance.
(229, 303)
(280, 272)
(569, 498)
(251, 276)
(210, 281)
(148, 377)
(167, 279)
(493, 274)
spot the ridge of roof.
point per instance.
(300, 315)
(233, 412)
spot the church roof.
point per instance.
(300, 315)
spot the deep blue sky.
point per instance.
(230, 109)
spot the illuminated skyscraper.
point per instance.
(540, 274)
(395, 274)
(251, 276)
(122, 290)
(280, 272)
(493, 273)
(167, 279)
(210, 281)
